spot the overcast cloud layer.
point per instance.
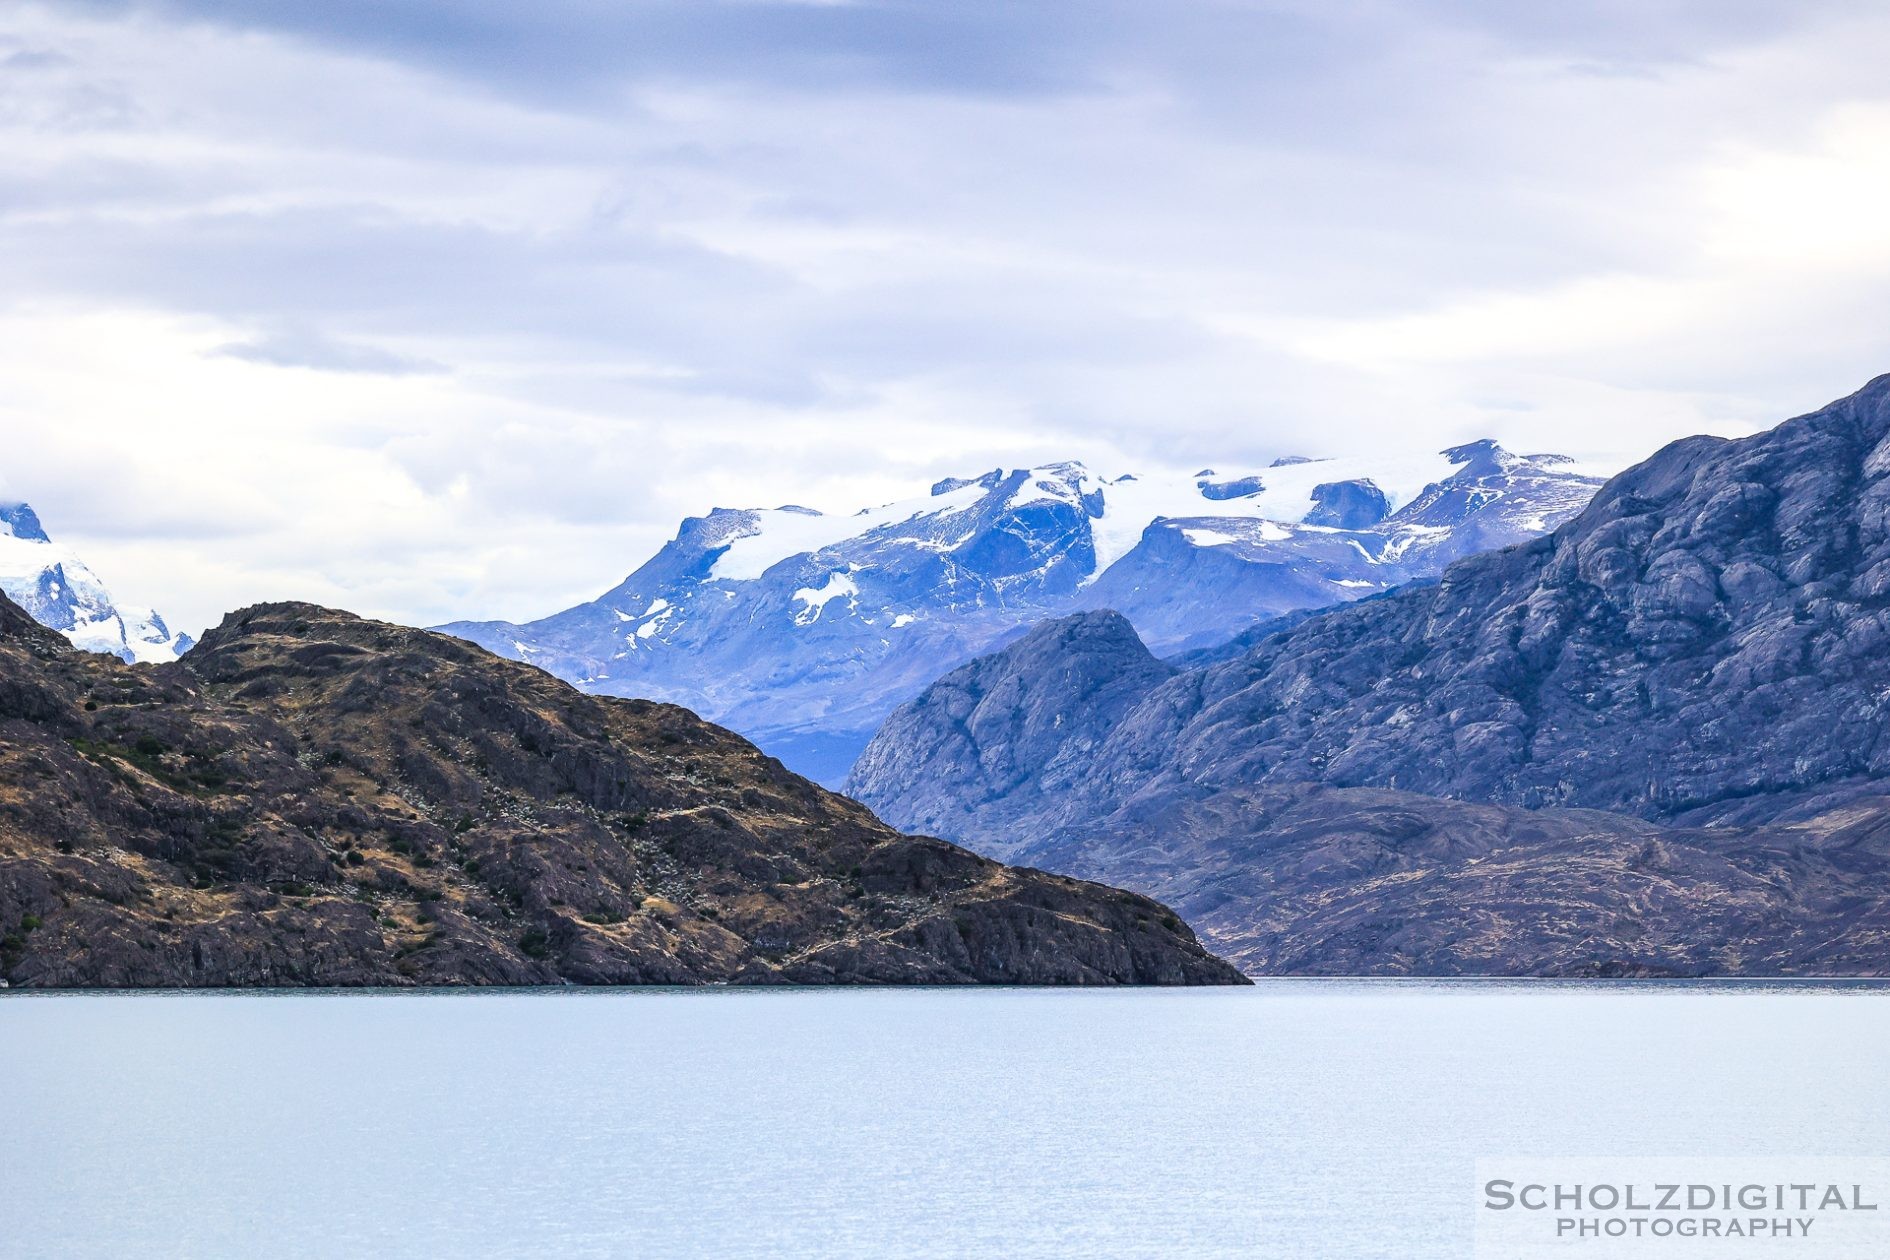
(453, 308)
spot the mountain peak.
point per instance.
(19, 520)
(949, 484)
(1483, 457)
(53, 586)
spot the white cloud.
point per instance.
(434, 324)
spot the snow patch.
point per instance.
(780, 534)
(816, 599)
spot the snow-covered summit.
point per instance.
(802, 629)
(57, 590)
(1118, 509)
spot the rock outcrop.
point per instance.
(309, 798)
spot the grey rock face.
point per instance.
(1703, 644)
(1240, 488)
(804, 631)
(1348, 505)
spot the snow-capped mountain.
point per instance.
(58, 591)
(803, 630)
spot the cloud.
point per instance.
(571, 51)
(453, 309)
(305, 349)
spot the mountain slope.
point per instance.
(1309, 880)
(310, 798)
(803, 631)
(57, 590)
(1701, 653)
(990, 748)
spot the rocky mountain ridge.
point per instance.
(309, 798)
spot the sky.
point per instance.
(435, 309)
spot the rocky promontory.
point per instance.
(310, 798)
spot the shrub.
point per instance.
(535, 943)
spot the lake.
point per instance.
(1297, 1118)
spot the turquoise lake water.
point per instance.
(1297, 1118)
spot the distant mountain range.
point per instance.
(58, 591)
(1655, 741)
(803, 630)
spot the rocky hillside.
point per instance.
(1704, 644)
(803, 630)
(1309, 880)
(311, 798)
(993, 751)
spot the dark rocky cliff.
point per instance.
(311, 798)
(1704, 653)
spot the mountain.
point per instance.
(1689, 675)
(803, 630)
(57, 590)
(311, 798)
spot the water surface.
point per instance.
(1298, 1118)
